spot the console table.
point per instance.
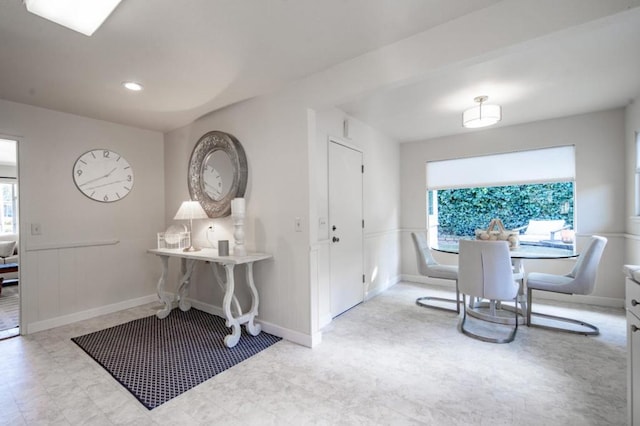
(211, 256)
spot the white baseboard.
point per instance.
(88, 314)
(373, 292)
(325, 320)
(609, 302)
(276, 330)
(421, 279)
(291, 335)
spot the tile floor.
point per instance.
(387, 362)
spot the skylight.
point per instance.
(83, 16)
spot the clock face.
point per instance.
(103, 175)
(212, 182)
(216, 175)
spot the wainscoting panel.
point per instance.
(381, 261)
(68, 282)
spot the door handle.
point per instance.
(336, 240)
(634, 302)
(634, 328)
(333, 228)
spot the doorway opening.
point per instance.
(9, 250)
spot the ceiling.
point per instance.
(196, 56)
(588, 68)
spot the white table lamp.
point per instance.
(190, 210)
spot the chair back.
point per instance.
(423, 253)
(585, 270)
(485, 270)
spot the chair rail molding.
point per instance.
(72, 244)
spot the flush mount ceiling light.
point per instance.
(133, 86)
(83, 16)
(481, 115)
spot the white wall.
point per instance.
(273, 133)
(110, 270)
(600, 185)
(632, 127)
(286, 148)
(381, 204)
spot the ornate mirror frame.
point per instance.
(208, 144)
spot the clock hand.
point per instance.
(99, 177)
(215, 190)
(107, 184)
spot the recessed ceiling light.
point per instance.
(133, 86)
(80, 15)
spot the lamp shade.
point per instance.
(481, 115)
(190, 210)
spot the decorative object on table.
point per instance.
(238, 212)
(581, 280)
(190, 210)
(567, 235)
(485, 272)
(217, 172)
(428, 267)
(140, 354)
(223, 247)
(103, 175)
(175, 237)
(497, 232)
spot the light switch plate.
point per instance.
(36, 229)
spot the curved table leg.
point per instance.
(253, 328)
(164, 297)
(231, 339)
(183, 286)
(222, 284)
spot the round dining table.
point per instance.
(523, 251)
(486, 310)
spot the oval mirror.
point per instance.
(217, 172)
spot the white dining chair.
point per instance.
(581, 280)
(429, 267)
(485, 272)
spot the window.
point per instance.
(8, 210)
(538, 185)
(8, 187)
(637, 174)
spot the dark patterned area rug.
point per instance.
(157, 360)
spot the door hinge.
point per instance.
(362, 223)
(363, 280)
(363, 168)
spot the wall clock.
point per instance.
(103, 175)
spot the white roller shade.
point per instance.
(514, 168)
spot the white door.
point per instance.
(345, 227)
